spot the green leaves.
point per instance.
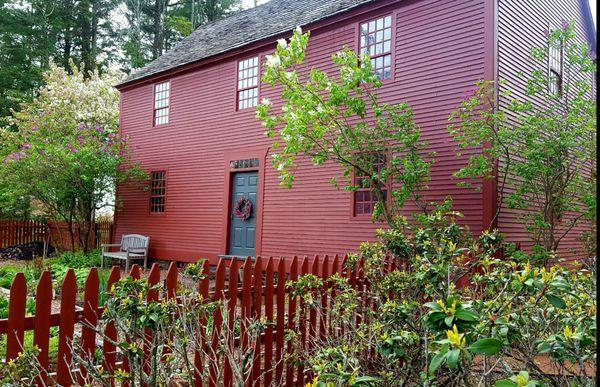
(444, 315)
(340, 120)
(68, 154)
(488, 347)
(436, 361)
(452, 358)
(547, 148)
(556, 300)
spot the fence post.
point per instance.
(152, 296)
(202, 344)
(16, 317)
(108, 348)
(256, 313)
(279, 332)
(302, 319)
(269, 318)
(217, 322)
(289, 379)
(233, 296)
(324, 298)
(246, 302)
(41, 331)
(90, 318)
(66, 328)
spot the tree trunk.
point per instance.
(86, 34)
(157, 27)
(94, 35)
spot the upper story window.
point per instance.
(364, 197)
(158, 191)
(555, 69)
(247, 95)
(161, 103)
(376, 40)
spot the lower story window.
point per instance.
(158, 191)
(364, 201)
(365, 198)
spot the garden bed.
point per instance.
(25, 252)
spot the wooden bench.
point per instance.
(132, 246)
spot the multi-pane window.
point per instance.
(158, 191)
(555, 68)
(161, 103)
(376, 40)
(247, 96)
(364, 197)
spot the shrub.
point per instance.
(419, 325)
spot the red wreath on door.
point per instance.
(242, 208)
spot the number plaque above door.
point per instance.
(245, 163)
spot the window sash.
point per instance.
(158, 191)
(247, 83)
(555, 69)
(376, 37)
(162, 95)
(363, 198)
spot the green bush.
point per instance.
(7, 274)
(78, 260)
(420, 326)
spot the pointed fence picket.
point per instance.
(251, 290)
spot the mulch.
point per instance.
(24, 252)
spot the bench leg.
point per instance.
(127, 263)
(145, 262)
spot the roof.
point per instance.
(251, 25)
(591, 26)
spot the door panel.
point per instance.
(242, 233)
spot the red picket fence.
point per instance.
(252, 289)
(15, 232)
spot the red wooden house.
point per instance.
(191, 120)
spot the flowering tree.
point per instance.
(67, 154)
(545, 140)
(339, 119)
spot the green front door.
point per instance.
(242, 232)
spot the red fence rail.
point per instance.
(15, 232)
(252, 289)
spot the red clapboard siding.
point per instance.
(521, 27)
(441, 50)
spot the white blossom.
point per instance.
(273, 61)
(282, 43)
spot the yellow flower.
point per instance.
(314, 382)
(569, 333)
(548, 275)
(524, 274)
(452, 309)
(442, 305)
(451, 247)
(522, 381)
(457, 340)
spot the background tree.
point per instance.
(154, 26)
(339, 119)
(99, 34)
(545, 141)
(28, 36)
(66, 153)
